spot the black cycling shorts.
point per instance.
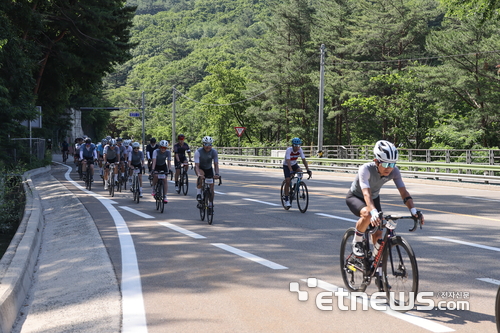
(355, 203)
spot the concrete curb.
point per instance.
(21, 255)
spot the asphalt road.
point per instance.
(235, 275)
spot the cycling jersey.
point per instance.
(88, 152)
(368, 177)
(100, 149)
(161, 158)
(111, 154)
(136, 158)
(205, 158)
(149, 151)
(293, 155)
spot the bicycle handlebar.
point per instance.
(292, 174)
(416, 220)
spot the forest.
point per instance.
(420, 73)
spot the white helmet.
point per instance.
(126, 143)
(385, 151)
(136, 145)
(164, 143)
(112, 142)
(207, 139)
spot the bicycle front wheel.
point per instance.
(351, 267)
(202, 207)
(400, 274)
(210, 211)
(283, 184)
(160, 195)
(302, 197)
(184, 183)
(111, 188)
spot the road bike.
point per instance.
(394, 266)
(111, 180)
(88, 177)
(125, 177)
(297, 191)
(135, 184)
(183, 183)
(65, 156)
(159, 193)
(206, 199)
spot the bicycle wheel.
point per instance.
(89, 181)
(135, 189)
(210, 211)
(302, 197)
(184, 181)
(111, 189)
(202, 207)
(400, 274)
(351, 267)
(283, 184)
(160, 196)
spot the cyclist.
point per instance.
(136, 160)
(100, 155)
(363, 197)
(150, 148)
(161, 162)
(121, 147)
(88, 154)
(64, 148)
(111, 155)
(203, 158)
(180, 150)
(291, 166)
(76, 151)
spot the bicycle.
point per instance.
(160, 204)
(398, 263)
(88, 177)
(183, 179)
(297, 191)
(135, 184)
(206, 198)
(65, 156)
(111, 182)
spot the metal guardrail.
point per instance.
(488, 174)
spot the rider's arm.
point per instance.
(408, 201)
(81, 154)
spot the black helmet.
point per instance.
(152, 140)
(88, 141)
(180, 137)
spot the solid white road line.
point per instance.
(467, 243)
(249, 256)
(493, 281)
(337, 217)
(182, 230)
(483, 199)
(418, 321)
(135, 211)
(264, 202)
(133, 312)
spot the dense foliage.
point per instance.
(54, 54)
(402, 70)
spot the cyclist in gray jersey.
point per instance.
(121, 147)
(136, 160)
(161, 162)
(363, 198)
(203, 159)
(110, 155)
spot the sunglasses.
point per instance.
(136, 147)
(207, 144)
(296, 145)
(386, 165)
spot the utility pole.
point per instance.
(321, 99)
(173, 115)
(143, 116)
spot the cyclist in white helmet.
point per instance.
(363, 197)
(161, 162)
(203, 159)
(136, 160)
(290, 165)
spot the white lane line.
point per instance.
(493, 281)
(418, 321)
(249, 256)
(182, 230)
(264, 202)
(483, 199)
(217, 192)
(135, 211)
(337, 217)
(467, 243)
(133, 312)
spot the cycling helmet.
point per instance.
(126, 143)
(136, 145)
(207, 139)
(112, 142)
(88, 140)
(104, 142)
(152, 140)
(385, 151)
(296, 141)
(119, 139)
(180, 137)
(164, 143)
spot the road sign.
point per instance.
(134, 114)
(239, 131)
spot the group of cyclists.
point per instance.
(113, 155)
